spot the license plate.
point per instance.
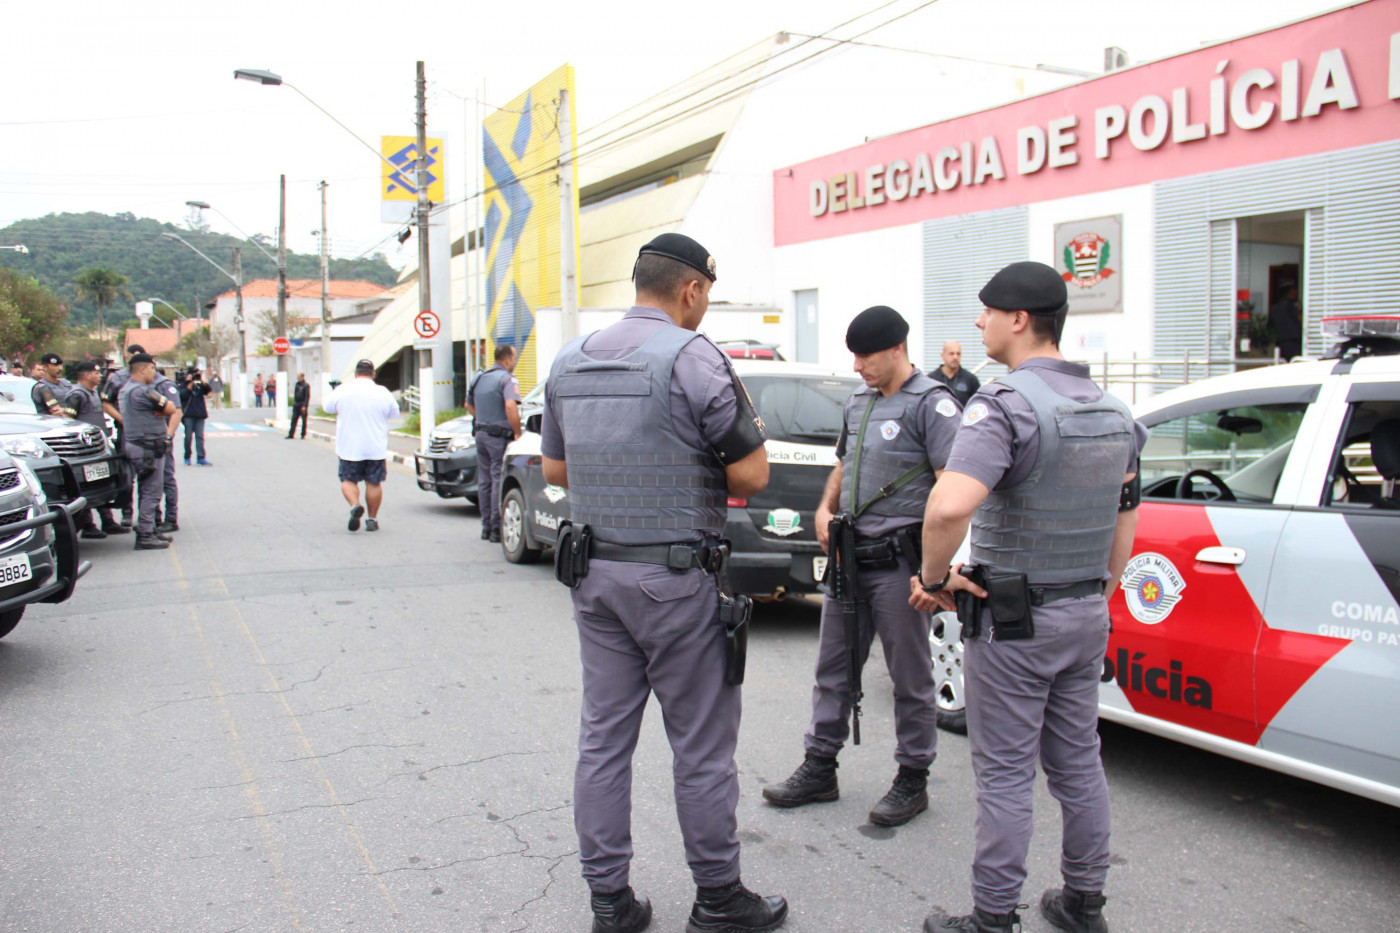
(818, 568)
(15, 570)
(96, 471)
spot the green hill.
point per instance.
(62, 245)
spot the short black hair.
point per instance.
(504, 350)
(662, 276)
(139, 358)
(1050, 326)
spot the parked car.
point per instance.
(749, 350)
(38, 544)
(449, 466)
(1259, 614)
(70, 458)
(775, 550)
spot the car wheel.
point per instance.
(946, 646)
(513, 542)
(8, 620)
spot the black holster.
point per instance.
(571, 553)
(1008, 598)
(153, 450)
(734, 614)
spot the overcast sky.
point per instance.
(115, 105)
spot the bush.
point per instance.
(412, 424)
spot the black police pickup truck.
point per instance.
(70, 458)
(775, 550)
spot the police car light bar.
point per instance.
(1362, 325)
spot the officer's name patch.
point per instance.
(975, 413)
(889, 430)
(946, 408)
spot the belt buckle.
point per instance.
(681, 557)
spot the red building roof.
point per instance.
(310, 288)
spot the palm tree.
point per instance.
(103, 285)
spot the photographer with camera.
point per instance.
(193, 390)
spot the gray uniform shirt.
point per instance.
(141, 412)
(935, 429)
(87, 407)
(704, 403)
(999, 440)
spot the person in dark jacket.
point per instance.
(193, 390)
(301, 400)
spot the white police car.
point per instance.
(1259, 615)
(775, 550)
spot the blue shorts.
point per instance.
(363, 471)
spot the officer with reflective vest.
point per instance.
(50, 391)
(1044, 468)
(150, 418)
(647, 425)
(899, 428)
(494, 403)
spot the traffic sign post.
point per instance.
(281, 346)
(427, 324)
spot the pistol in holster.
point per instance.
(153, 450)
(571, 553)
(735, 612)
(1008, 598)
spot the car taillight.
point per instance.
(737, 503)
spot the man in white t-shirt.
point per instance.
(362, 408)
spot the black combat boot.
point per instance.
(150, 543)
(495, 536)
(485, 533)
(979, 921)
(115, 528)
(620, 912)
(733, 908)
(1075, 911)
(165, 528)
(907, 798)
(814, 781)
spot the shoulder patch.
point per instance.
(946, 408)
(975, 412)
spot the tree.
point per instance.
(31, 316)
(265, 325)
(102, 285)
(211, 346)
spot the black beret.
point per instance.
(51, 358)
(86, 366)
(876, 329)
(135, 348)
(142, 358)
(1033, 287)
(682, 248)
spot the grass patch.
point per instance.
(412, 424)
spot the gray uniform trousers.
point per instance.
(1038, 698)
(903, 633)
(490, 457)
(169, 487)
(149, 488)
(644, 629)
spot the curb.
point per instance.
(393, 457)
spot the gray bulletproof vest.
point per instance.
(891, 450)
(631, 476)
(1057, 527)
(489, 396)
(87, 407)
(140, 416)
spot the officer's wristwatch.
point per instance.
(936, 587)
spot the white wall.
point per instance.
(851, 273)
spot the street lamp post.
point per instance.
(239, 323)
(18, 248)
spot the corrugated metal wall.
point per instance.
(960, 255)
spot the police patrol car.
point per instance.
(1259, 614)
(775, 550)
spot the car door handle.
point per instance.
(1234, 556)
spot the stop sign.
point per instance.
(281, 346)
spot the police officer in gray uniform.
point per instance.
(111, 404)
(147, 442)
(49, 394)
(1045, 469)
(167, 519)
(898, 430)
(494, 403)
(650, 430)
(87, 407)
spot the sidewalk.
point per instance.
(401, 446)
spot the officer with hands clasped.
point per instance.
(1045, 469)
(50, 390)
(647, 425)
(87, 407)
(494, 403)
(147, 442)
(898, 430)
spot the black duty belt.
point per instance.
(673, 556)
(1040, 595)
(882, 553)
(495, 430)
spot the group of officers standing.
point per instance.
(651, 430)
(147, 408)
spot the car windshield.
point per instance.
(14, 395)
(805, 409)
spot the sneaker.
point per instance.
(93, 532)
(814, 781)
(371, 524)
(733, 908)
(187, 461)
(355, 514)
(1075, 911)
(620, 912)
(907, 798)
(204, 463)
(150, 543)
(979, 921)
(164, 528)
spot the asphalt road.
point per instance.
(279, 725)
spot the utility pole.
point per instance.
(240, 323)
(281, 291)
(325, 290)
(568, 287)
(425, 295)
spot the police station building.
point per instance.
(1178, 198)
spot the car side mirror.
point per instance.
(532, 423)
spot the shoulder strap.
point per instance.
(890, 488)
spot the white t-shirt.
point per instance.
(362, 408)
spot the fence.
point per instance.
(1123, 377)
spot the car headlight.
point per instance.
(22, 445)
(461, 442)
(32, 482)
